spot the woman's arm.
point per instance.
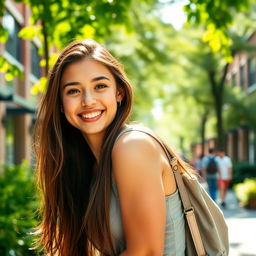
(137, 170)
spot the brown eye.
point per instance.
(100, 86)
(72, 91)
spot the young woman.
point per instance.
(107, 189)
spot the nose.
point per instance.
(88, 99)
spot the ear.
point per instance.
(119, 93)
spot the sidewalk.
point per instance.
(242, 228)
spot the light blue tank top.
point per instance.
(174, 244)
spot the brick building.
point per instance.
(240, 141)
(17, 105)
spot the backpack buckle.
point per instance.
(189, 211)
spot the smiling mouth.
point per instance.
(91, 116)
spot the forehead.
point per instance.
(85, 70)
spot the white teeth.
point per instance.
(91, 115)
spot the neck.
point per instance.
(95, 143)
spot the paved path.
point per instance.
(242, 228)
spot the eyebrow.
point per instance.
(93, 80)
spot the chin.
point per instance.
(93, 131)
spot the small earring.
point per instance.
(61, 108)
(119, 103)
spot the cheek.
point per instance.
(69, 110)
(112, 102)
(68, 104)
(109, 98)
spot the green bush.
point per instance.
(242, 171)
(246, 191)
(18, 203)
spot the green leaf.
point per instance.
(53, 59)
(42, 63)
(28, 32)
(4, 65)
(87, 32)
(11, 71)
(3, 34)
(39, 87)
(9, 76)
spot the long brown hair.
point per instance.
(75, 202)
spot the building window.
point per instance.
(233, 79)
(242, 76)
(251, 71)
(13, 44)
(35, 59)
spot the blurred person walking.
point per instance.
(225, 175)
(210, 170)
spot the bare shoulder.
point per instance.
(136, 155)
(135, 144)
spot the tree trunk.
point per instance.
(218, 94)
(203, 126)
(220, 131)
(46, 41)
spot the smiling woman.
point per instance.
(90, 96)
(107, 187)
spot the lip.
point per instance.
(89, 120)
(90, 111)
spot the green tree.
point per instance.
(211, 93)
(17, 210)
(201, 77)
(216, 17)
(57, 22)
(146, 55)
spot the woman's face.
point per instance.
(89, 96)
